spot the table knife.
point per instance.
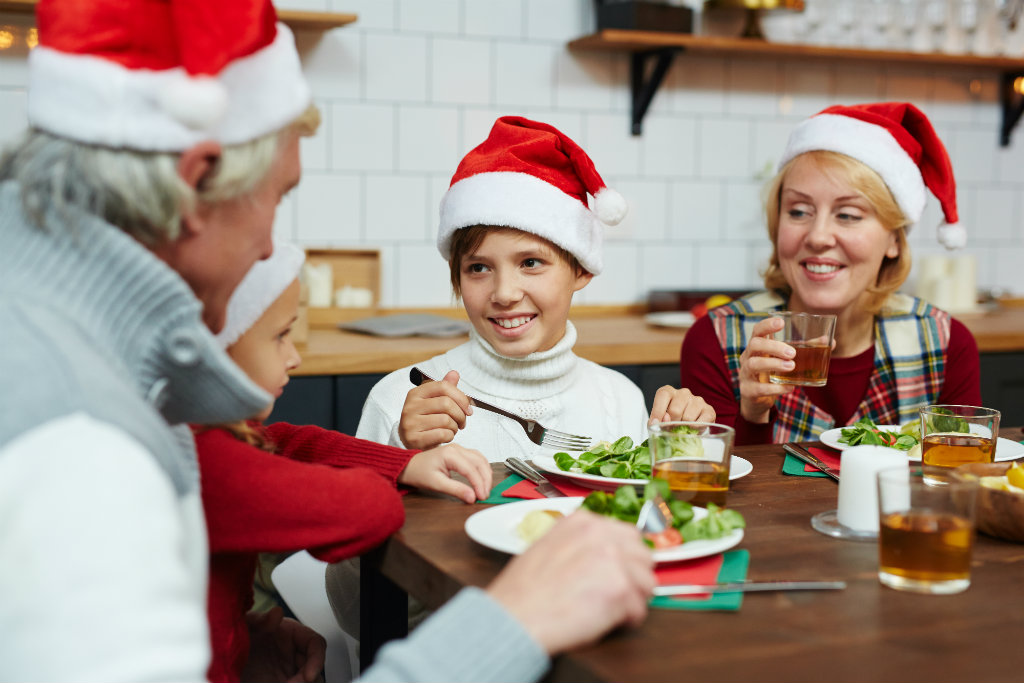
(809, 458)
(744, 587)
(543, 486)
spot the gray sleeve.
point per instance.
(472, 638)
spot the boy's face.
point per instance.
(517, 291)
(266, 352)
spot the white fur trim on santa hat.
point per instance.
(952, 236)
(260, 288)
(868, 143)
(527, 203)
(96, 101)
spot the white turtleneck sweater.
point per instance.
(555, 387)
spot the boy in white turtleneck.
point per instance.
(520, 241)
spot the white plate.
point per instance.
(1006, 449)
(670, 319)
(495, 528)
(738, 467)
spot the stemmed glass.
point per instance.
(936, 16)
(881, 19)
(846, 22)
(908, 21)
(968, 19)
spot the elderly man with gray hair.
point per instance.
(162, 137)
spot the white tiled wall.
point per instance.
(414, 84)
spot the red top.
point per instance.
(703, 371)
(323, 491)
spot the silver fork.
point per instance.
(535, 432)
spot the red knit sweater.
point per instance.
(703, 371)
(323, 491)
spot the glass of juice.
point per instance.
(956, 435)
(926, 531)
(811, 337)
(693, 457)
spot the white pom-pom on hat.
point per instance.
(952, 236)
(610, 206)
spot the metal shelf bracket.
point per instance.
(643, 90)
(1011, 97)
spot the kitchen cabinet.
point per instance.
(660, 48)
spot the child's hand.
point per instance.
(672, 404)
(429, 470)
(433, 413)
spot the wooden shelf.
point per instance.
(662, 48)
(297, 20)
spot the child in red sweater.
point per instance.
(281, 488)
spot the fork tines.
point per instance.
(560, 440)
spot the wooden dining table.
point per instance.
(866, 632)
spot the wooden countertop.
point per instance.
(607, 335)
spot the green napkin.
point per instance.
(795, 466)
(508, 482)
(734, 568)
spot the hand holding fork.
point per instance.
(437, 410)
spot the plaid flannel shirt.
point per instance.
(911, 338)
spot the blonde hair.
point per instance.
(139, 192)
(868, 184)
(466, 240)
(243, 431)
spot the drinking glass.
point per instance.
(955, 435)
(811, 338)
(693, 457)
(926, 531)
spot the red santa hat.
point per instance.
(896, 140)
(163, 75)
(530, 176)
(260, 288)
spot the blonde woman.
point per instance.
(851, 184)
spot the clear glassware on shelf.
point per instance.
(846, 23)
(880, 18)
(936, 15)
(907, 14)
(968, 20)
(809, 27)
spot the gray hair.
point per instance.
(139, 192)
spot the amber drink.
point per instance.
(811, 339)
(695, 481)
(953, 450)
(926, 531)
(953, 435)
(694, 458)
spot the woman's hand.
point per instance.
(672, 404)
(762, 356)
(430, 470)
(433, 413)
(282, 649)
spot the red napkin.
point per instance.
(527, 489)
(701, 571)
(829, 456)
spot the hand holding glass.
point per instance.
(811, 337)
(693, 457)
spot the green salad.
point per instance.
(624, 460)
(625, 505)
(866, 432)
